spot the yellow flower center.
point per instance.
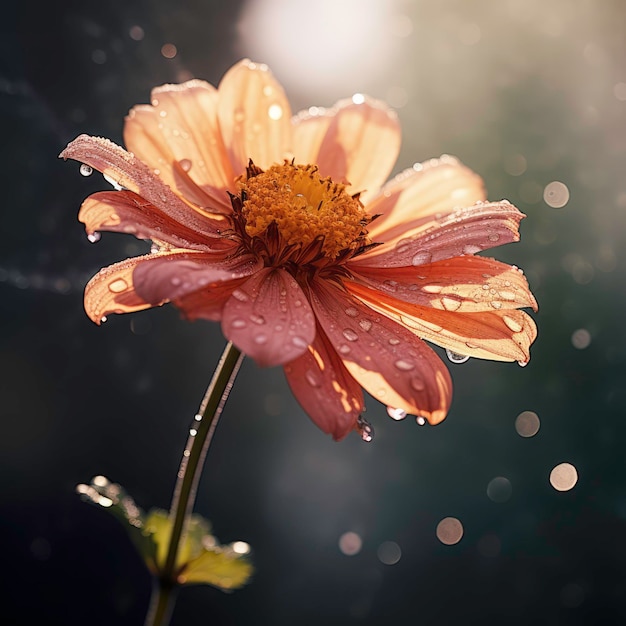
(304, 207)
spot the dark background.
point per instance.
(526, 92)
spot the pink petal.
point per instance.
(390, 362)
(463, 284)
(466, 231)
(423, 194)
(126, 212)
(208, 303)
(254, 116)
(269, 318)
(498, 335)
(324, 388)
(130, 173)
(170, 275)
(178, 135)
(359, 145)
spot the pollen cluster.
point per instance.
(305, 207)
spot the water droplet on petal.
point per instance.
(242, 296)
(351, 311)
(118, 285)
(432, 288)
(185, 164)
(471, 249)
(522, 363)
(418, 384)
(344, 349)
(393, 341)
(455, 357)
(103, 319)
(93, 237)
(260, 339)
(512, 323)
(238, 323)
(450, 304)
(365, 429)
(493, 237)
(299, 342)
(422, 258)
(86, 170)
(404, 364)
(257, 319)
(365, 325)
(420, 420)
(349, 334)
(312, 378)
(396, 414)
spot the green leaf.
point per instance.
(219, 566)
(116, 501)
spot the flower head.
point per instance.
(278, 227)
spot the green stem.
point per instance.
(200, 436)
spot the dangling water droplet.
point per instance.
(103, 319)
(185, 164)
(86, 170)
(396, 414)
(93, 237)
(522, 363)
(420, 420)
(349, 334)
(365, 429)
(455, 357)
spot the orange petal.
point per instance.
(324, 388)
(126, 212)
(465, 284)
(178, 135)
(130, 173)
(208, 303)
(390, 362)
(465, 231)
(359, 142)
(421, 194)
(111, 290)
(254, 116)
(496, 335)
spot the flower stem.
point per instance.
(200, 436)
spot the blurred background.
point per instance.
(529, 93)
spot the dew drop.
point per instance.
(450, 304)
(390, 285)
(471, 249)
(432, 288)
(312, 378)
(365, 429)
(176, 281)
(344, 349)
(512, 323)
(349, 334)
(404, 364)
(418, 384)
(103, 319)
(260, 339)
(257, 319)
(117, 286)
(396, 414)
(420, 420)
(86, 170)
(455, 357)
(193, 432)
(522, 363)
(495, 304)
(238, 323)
(93, 237)
(393, 341)
(299, 342)
(493, 237)
(185, 164)
(365, 325)
(351, 312)
(421, 258)
(240, 295)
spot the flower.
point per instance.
(278, 227)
